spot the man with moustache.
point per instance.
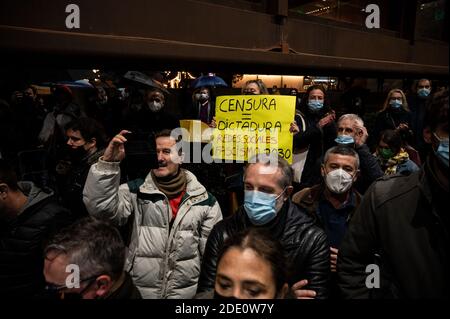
(171, 214)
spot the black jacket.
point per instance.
(305, 244)
(401, 226)
(127, 290)
(369, 167)
(318, 140)
(73, 184)
(22, 241)
(389, 120)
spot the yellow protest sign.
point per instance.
(195, 131)
(253, 124)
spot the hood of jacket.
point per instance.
(35, 194)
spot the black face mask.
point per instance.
(77, 154)
(219, 296)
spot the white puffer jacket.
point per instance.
(163, 261)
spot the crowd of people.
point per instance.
(96, 202)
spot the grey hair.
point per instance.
(272, 159)
(351, 117)
(95, 246)
(342, 150)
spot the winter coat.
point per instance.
(163, 257)
(400, 228)
(22, 242)
(317, 140)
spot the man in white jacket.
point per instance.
(172, 215)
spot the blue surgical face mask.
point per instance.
(396, 103)
(442, 151)
(423, 92)
(261, 208)
(345, 140)
(315, 105)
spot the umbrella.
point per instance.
(74, 84)
(144, 79)
(208, 80)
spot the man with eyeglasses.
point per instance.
(29, 215)
(402, 227)
(86, 261)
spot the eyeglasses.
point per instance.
(59, 289)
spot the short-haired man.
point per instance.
(86, 261)
(171, 215)
(417, 102)
(86, 142)
(401, 229)
(268, 185)
(28, 217)
(352, 133)
(334, 201)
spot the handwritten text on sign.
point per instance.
(253, 124)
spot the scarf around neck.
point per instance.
(392, 164)
(171, 186)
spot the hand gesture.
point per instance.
(327, 119)
(115, 152)
(333, 258)
(213, 123)
(294, 129)
(301, 293)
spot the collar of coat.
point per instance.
(193, 186)
(309, 198)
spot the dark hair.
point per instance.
(261, 242)
(437, 111)
(154, 90)
(416, 83)
(393, 139)
(305, 99)
(89, 129)
(342, 150)
(94, 245)
(32, 87)
(8, 175)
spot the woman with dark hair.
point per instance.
(392, 156)
(252, 265)
(315, 132)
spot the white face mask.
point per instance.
(339, 181)
(155, 106)
(203, 96)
